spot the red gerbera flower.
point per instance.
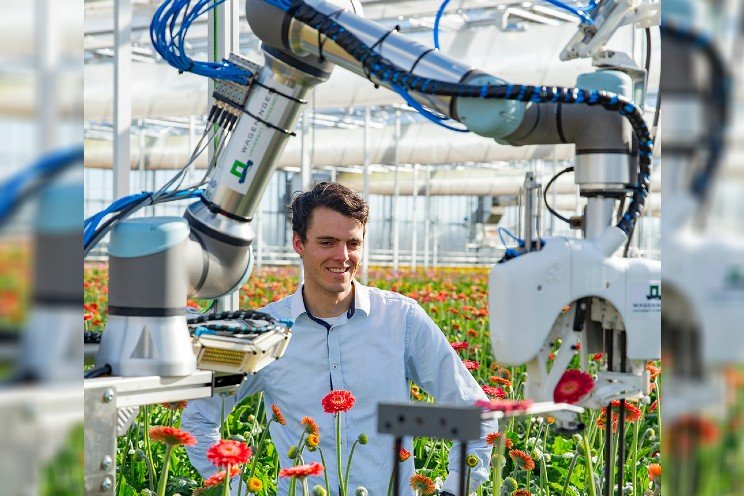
(338, 400)
(219, 477)
(311, 427)
(572, 386)
(522, 460)
(495, 392)
(403, 455)
(471, 365)
(302, 471)
(423, 484)
(277, 416)
(494, 437)
(228, 452)
(171, 436)
(654, 471)
(460, 345)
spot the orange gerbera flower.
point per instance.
(312, 440)
(337, 401)
(472, 333)
(521, 492)
(228, 452)
(171, 436)
(423, 484)
(302, 471)
(403, 455)
(572, 386)
(522, 460)
(277, 415)
(654, 471)
(495, 437)
(219, 477)
(500, 380)
(311, 427)
(176, 405)
(653, 370)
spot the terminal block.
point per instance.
(230, 97)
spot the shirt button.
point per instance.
(334, 365)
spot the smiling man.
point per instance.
(351, 337)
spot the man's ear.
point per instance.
(297, 243)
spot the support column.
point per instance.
(396, 197)
(258, 252)
(46, 38)
(222, 39)
(365, 246)
(427, 216)
(414, 226)
(122, 96)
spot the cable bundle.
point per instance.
(386, 72)
(168, 37)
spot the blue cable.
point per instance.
(13, 191)
(438, 18)
(580, 13)
(438, 120)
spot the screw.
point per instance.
(106, 463)
(108, 395)
(106, 484)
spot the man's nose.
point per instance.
(342, 252)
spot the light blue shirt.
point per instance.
(387, 341)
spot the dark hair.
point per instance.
(329, 195)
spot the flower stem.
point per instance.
(164, 473)
(467, 482)
(348, 467)
(589, 464)
(570, 471)
(338, 453)
(226, 487)
(325, 472)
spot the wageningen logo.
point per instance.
(654, 292)
(240, 170)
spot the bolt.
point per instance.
(108, 395)
(106, 463)
(106, 484)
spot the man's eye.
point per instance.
(326, 243)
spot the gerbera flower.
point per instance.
(423, 484)
(472, 461)
(403, 455)
(175, 405)
(312, 440)
(302, 471)
(471, 365)
(472, 333)
(521, 492)
(597, 356)
(460, 345)
(254, 485)
(171, 436)
(500, 380)
(522, 460)
(654, 471)
(572, 386)
(495, 392)
(228, 452)
(337, 401)
(311, 427)
(653, 370)
(505, 406)
(219, 477)
(494, 437)
(277, 415)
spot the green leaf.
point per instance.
(562, 445)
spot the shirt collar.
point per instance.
(361, 301)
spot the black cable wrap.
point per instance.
(375, 65)
(240, 317)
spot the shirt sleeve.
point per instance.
(202, 418)
(433, 364)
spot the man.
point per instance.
(352, 337)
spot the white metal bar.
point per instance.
(414, 225)
(365, 246)
(396, 198)
(122, 96)
(46, 66)
(427, 215)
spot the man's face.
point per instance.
(332, 252)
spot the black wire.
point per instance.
(91, 374)
(545, 194)
(647, 64)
